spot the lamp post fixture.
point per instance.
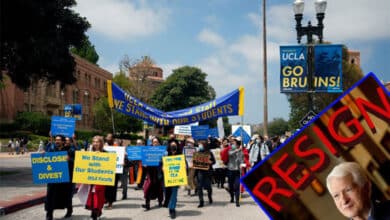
(309, 31)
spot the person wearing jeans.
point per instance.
(236, 158)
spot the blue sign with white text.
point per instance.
(50, 167)
(200, 132)
(62, 126)
(152, 155)
(134, 152)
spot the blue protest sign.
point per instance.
(62, 126)
(50, 167)
(213, 132)
(200, 132)
(293, 66)
(328, 68)
(152, 155)
(134, 152)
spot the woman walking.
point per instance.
(153, 184)
(171, 192)
(96, 193)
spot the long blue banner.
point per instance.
(229, 104)
(50, 167)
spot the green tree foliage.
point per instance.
(35, 40)
(103, 120)
(277, 126)
(185, 87)
(36, 122)
(299, 102)
(86, 51)
(102, 112)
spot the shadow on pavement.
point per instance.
(188, 213)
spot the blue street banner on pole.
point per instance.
(328, 68)
(134, 152)
(229, 104)
(293, 66)
(152, 155)
(73, 110)
(50, 167)
(62, 126)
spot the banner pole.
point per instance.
(112, 119)
(242, 127)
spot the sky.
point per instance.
(224, 39)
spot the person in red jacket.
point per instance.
(224, 152)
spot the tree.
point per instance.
(36, 122)
(35, 40)
(86, 51)
(139, 71)
(185, 87)
(277, 126)
(102, 112)
(298, 102)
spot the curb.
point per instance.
(22, 204)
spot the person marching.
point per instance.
(153, 184)
(96, 193)
(236, 158)
(188, 151)
(111, 191)
(59, 195)
(203, 177)
(171, 192)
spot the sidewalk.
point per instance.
(16, 187)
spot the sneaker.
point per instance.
(200, 205)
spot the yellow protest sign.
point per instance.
(94, 168)
(174, 168)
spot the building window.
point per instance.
(75, 96)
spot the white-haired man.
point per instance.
(351, 192)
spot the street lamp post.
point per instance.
(62, 106)
(309, 31)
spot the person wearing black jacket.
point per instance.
(203, 177)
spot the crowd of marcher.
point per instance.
(235, 157)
